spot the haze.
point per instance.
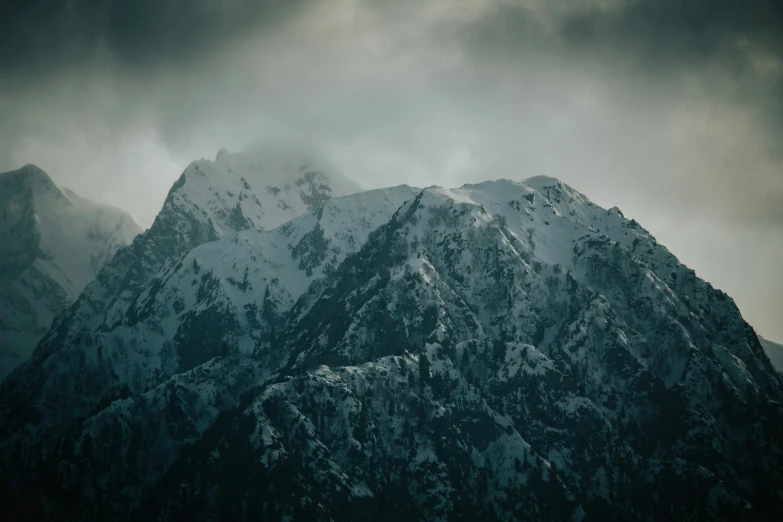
(670, 110)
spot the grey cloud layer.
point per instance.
(44, 36)
(712, 71)
(670, 109)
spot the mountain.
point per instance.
(774, 351)
(254, 190)
(235, 291)
(503, 351)
(52, 243)
(259, 189)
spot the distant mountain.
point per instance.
(774, 351)
(52, 243)
(503, 351)
(254, 190)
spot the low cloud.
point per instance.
(671, 110)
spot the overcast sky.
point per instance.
(670, 109)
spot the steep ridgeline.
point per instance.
(256, 190)
(52, 243)
(232, 293)
(226, 298)
(503, 351)
(775, 353)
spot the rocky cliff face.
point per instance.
(52, 243)
(503, 351)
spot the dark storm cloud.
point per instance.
(665, 36)
(714, 66)
(41, 37)
(658, 37)
(670, 109)
(665, 32)
(660, 33)
(86, 81)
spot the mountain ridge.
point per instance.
(210, 200)
(52, 243)
(200, 207)
(501, 351)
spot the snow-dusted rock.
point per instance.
(506, 350)
(254, 190)
(260, 189)
(52, 244)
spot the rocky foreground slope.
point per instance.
(502, 351)
(52, 243)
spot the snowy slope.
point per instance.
(259, 189)
(503, 351)
(52, 244)
(235, 291)
(648, 353)
(248, 283)
(775, 353)
(255, 190)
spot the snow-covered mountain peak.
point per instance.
(69, 236)
(245, 283)
(541, 191)
(550, 186)
(260, 188)
(507, 350)
(52, 243)
(553, 188)
(540, 181)
(31, 174)
(29, 185)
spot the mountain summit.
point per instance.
(259, 189)
(502, 351)
(52, 243)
